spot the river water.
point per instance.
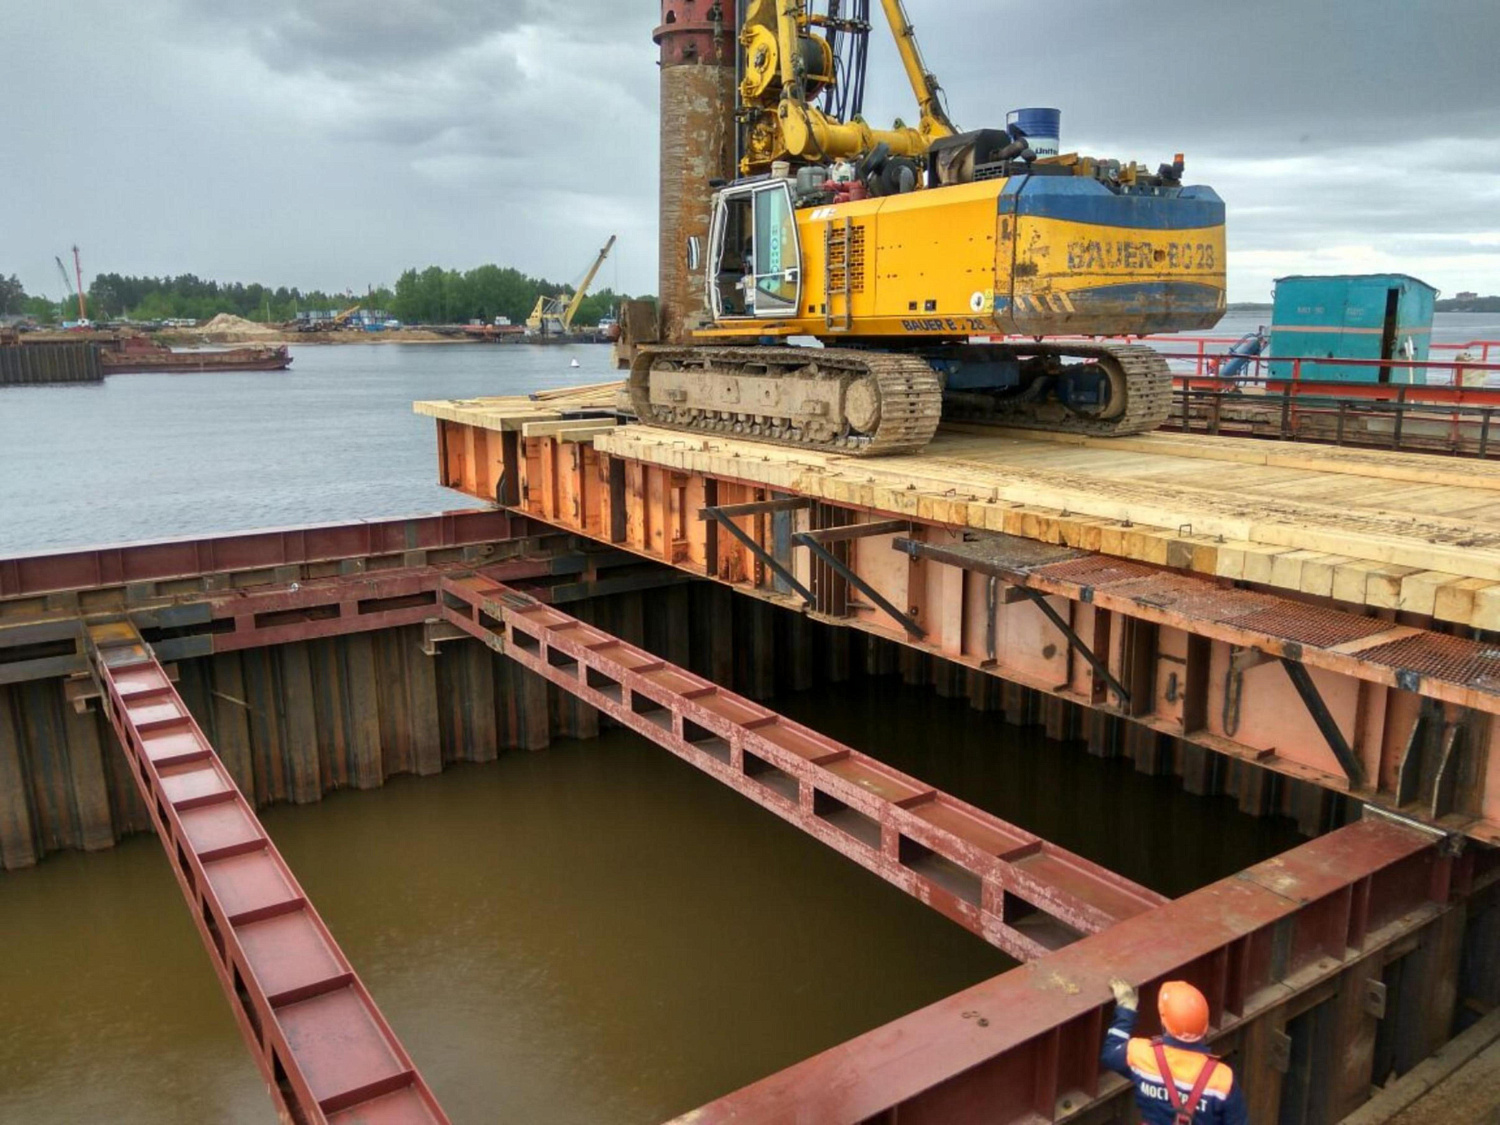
(592, 934)
(333, 439)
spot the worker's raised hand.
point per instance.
(1125, 993)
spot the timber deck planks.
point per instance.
(1409, 532)
(513, 412)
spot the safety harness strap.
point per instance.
(1183, 1110)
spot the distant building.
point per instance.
(1466, 296)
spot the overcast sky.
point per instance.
(332, 143)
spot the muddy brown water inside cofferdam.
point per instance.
(593, 933)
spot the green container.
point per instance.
(1368, 316)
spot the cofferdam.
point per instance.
(594, 932)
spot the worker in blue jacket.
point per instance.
(1177, 1082)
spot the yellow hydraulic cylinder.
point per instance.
(811, 134)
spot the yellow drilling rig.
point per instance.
(932, 264)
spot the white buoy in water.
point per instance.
(575, 363)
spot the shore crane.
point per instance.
(75, 292)
(553, 316)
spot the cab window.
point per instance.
(755, 262)
(733, 260)
(777, 270)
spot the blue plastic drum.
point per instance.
(1043, 128)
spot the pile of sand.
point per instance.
(225, 324)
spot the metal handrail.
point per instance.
(1470, 425)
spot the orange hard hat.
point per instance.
(1183, 1011)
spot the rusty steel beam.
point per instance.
(1024, 1047)
(856, 531)
(757, 508)
(1014, 889)
(339, 606)
(1198, 657)
(325, 594)
(332, 607)
(325, 1051)
(124, 565)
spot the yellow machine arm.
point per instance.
(788, 63)
(577, 301)
(924, 83)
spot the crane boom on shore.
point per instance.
(83, 312)
(577, 302)
(75, 292)
(553, 316)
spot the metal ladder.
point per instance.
(841, 238)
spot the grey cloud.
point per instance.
(524, 130)
(1442, 247)
(1368, 189)
(1272, 74)
(353, 37)
(454, 75)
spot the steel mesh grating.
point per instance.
(1435, 656)
(1438, 656)
(1315, 626)
(1160, 591)
(1096, 570)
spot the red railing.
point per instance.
(1452, 401)
(1202, 357)
(1208, 353)
(1453, 380)
(1283, 397)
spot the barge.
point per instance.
(136, 354)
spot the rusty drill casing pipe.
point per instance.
(698, 100)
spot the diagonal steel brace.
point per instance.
(1076, 642)
(726, 521)
(808, 540)
(1302, 680)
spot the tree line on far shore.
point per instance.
(430, 296)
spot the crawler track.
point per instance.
(908, 390)
(1145, 376)
(722, 392)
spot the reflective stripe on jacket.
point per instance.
(1222, 1103)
